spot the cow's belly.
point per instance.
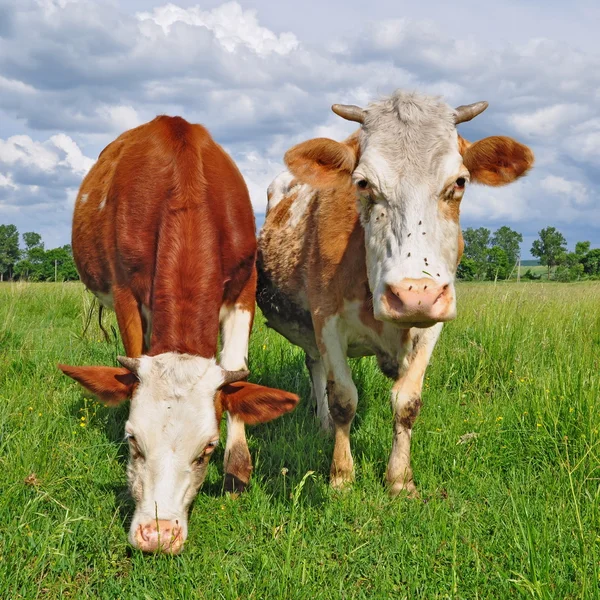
(285, 315)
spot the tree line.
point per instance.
(486, 256)
(33, 262)
(496, 256)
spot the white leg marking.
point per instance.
(235, 333)
(342, 398)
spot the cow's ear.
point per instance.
(112, 385)
(496, 160)
(323, 163)
(254, 403)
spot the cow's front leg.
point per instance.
(236, 323)
(406, 404)
(342, 397)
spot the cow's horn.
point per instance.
(350, 112)
(233, 376)
(133, 364)
(469, 111)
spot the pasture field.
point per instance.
(513, 512)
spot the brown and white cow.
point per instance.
(164, 233)
(359, 250)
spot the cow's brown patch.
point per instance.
(341, 408)
(409, 412)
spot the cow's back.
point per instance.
(148, 170)
(310, 258)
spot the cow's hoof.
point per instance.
(406, 489)
(233, 484)
(341, 481)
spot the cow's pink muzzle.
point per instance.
(419, 302)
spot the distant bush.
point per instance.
(531, 276)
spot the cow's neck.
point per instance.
(188, 283)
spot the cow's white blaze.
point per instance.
(171, 423)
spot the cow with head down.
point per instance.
(359, 251)
(164, 233)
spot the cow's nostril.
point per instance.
(425, 288)
(144, 533)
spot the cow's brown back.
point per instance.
(166, 213)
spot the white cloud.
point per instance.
(547, 121)
(119, 118)
(7, 182)
(91, 72)
(74, 159)
(231, 25)
(21, 149)
(570, 190)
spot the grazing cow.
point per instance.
(164, 233)
(359, 250)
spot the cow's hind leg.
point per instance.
(318, 379)
(406, 404)
(342, 397)
(236, 323)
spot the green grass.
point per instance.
(511, 513)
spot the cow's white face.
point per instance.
(172, 429)
(410, 179)
(408, 167)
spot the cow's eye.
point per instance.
(460, 183)
(210, 447)
(362, 184)
(134, 447)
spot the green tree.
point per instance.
(467, 269)
(582, 248)
(477, 242)
(591, 262)
(32, 240)
(9, 250)
(551, 248)
(570, 269)
(510, 241)
(498, 266)
(59, 265)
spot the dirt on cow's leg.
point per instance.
(238, 462)
(342, 407)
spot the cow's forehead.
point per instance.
(412, 132)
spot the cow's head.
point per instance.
(173, 428)
(409, 168)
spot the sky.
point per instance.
(262, 76)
